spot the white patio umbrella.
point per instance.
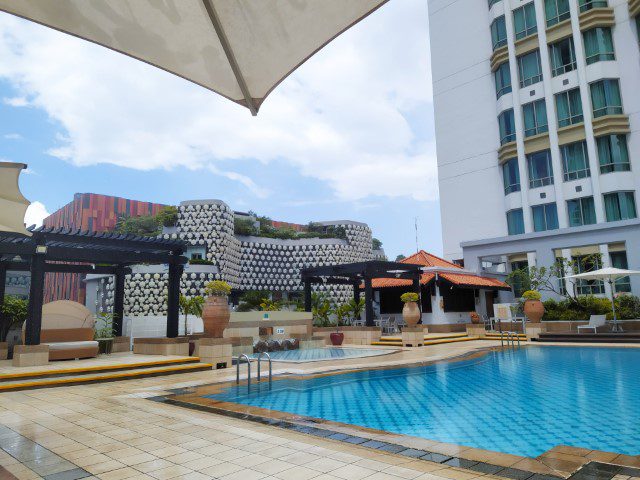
(13, 205)
(610, 275)
(241, 49)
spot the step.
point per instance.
(398, 338)
(48, 372)
(431, 341)
(496, 336)
(25, 384)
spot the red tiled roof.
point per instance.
(429, 260)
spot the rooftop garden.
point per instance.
(147, 225)
(262, 226)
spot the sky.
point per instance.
(349, 135)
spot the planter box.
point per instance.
(413, 336)
(161, 346)
(4, 350)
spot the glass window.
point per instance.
(518, 283)
(588, 263)
(575, 161)
(590, 4)
(524, 21)
(563, 57)
(535, 118)
(582, 211)
(492, 3)
(613, 154)
(619, 260)
(619, 206)
(511, 176)
(569, 107)
(515, 222)
(598, 45)
(545, 217)
(638, 26)
(605, 97)
(540, 169)
(529, 68)
(507, 127)
(503, 79)
(556, 11)
(498, 33)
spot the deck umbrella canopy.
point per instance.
(62, 250)
(355, 274)
(241, 49)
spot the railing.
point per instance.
(577, 174)
(245, 356)
(537, 130)
(540, 182)
(608, 110)
(569, 67)
(270, 369)
(591, 4)
(573, 119)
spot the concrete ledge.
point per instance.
(216, 351)
(161, 346)
(121, 344)
(413, 336)
(30, 355)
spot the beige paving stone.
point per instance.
(103, 467)
(221, 469)
(325, 465)
(353, 472)
(119, 474)
(244, 474)
(157, 464)
(137, 458)
(184, 457)
(402, 472)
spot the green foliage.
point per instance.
(191, 306)
(244, 226)
(321, 309)
(355, 308)
(251, 300)
(268, 305)
(400, 257)
(217, 288)
(627, 308)
(342, 313)
(105, 330)
(531, 295)
(168, 216)
(200, 261)
(409, 297)
(376, 244)
(144, 226)
(14, 313)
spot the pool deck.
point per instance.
(114, 431)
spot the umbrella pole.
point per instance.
(616, 328)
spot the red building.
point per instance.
(94, 213)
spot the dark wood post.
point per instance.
(118, 301)
(173, 300)
(3, 283)
(36, 296)
(307, 295)
(368, 301)
(356, 291)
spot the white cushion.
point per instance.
(71, 345)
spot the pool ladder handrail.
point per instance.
(270, 369)
(511, 338)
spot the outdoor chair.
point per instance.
(595, 321)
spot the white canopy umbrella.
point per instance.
(610, 275)
(13, 205)
(241, 49)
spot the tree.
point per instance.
(251, 300)
(168, 216)
(376, 244)
(400, 257)
(321, 309)
(356, 308)
(144, 226)
(191, 306)
(14, 313)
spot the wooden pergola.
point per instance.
(74, 251)
(355, 274)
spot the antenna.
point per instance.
(416, 227)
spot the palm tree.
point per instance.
(191, 306)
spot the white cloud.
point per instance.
(341, 118)
(36, 213)
(16, 101)
(13, 136)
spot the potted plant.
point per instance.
(13, 312)
(104, 332)
(410, 311)
(474, 317)
(533, 306)
(216, 314)
(355, 309)
(341, 312)
(191, 306)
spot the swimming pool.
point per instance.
(523, 401)
(329, 353)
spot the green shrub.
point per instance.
(627, 307)
(200, 261)
(217, 288)
(409, 297)
(531, 295)
(168, 216)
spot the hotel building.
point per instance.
(537, 111)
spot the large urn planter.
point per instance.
(215, 316)
(534, 310)
(411, 314)
(337, 338)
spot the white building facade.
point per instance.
(537, 110)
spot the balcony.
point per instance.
(559, 31)
(610, 125)
(526, 44)
(634, 8)
(500, 55)
(508, 150)
(571, 133)
(598, 17)
(535, 143)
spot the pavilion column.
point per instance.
(36, 298)
(307, 295)
(173, 301)
(356, 292)
(368, 301)
(118, 301)
(3, 283)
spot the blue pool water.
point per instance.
(522, 401)
(317, 354)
